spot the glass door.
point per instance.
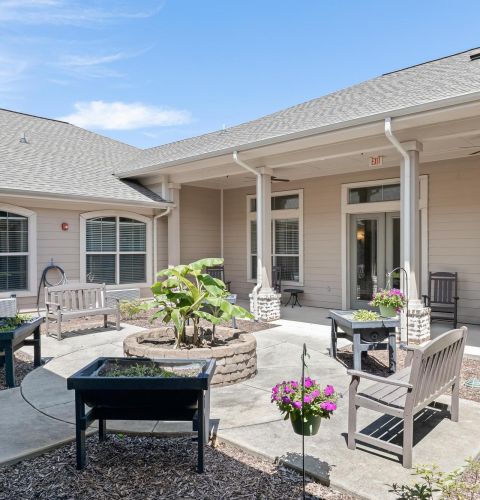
(374, 251)
(367, 269)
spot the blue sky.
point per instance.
(148, 72)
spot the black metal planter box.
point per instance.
(182, 398)
(14, 339)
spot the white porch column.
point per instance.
(264, 233)
(174, 226)
(419, 316)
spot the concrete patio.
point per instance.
(243, 414)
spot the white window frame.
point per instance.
(32, 251)
(381, 206)
(148, 249)
(296, 213)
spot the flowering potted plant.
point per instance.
(390, 302)
(318, 403)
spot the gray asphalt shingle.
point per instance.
(62, 159)
(451, 76)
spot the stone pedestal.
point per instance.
(265, 306)
(418, 325)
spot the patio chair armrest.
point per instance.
(52, 305)
(376, 378)
(409, 357)
(456, 299)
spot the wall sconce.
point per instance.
(65, 226)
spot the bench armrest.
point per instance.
(52, 305)
(376, 378)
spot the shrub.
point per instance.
(365, 315)
(461, 484)
(130, 309)
(389, 298)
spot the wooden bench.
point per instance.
(431, 370)
(77, 300)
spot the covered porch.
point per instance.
(408, 184)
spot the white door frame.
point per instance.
(381, 206)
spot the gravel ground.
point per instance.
(377, 364)
(141, 468)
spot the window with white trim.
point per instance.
(287, 235)
(116, 250)
(14, 252)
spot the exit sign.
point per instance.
(375, 161)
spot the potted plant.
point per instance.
(317, 403)
(390, 302)
(187, 294)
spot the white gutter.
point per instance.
(155, 246)
(258, 176)
(406, 194)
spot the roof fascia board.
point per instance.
(396, 113)
(107, 201)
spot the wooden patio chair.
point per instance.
(430, 371)
(277, 278)
(219, 273)
(442, 296)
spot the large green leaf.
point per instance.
(201, 264)
(209, 317)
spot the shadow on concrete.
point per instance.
(314, 467)
(390, 429)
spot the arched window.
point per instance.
(17, 239)
(116, 249)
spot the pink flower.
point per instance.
(328, 406)
(329, 390)
(297, 405)
(286, 400)
(307, 399)
(309, 382)
(314, 394)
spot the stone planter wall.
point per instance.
(235, 362)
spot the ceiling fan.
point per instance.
(279, 179)
(470, 147)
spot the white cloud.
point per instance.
(124, 116)
(11, 73)
(69, 12)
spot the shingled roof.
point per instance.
(451, 76)
(59, 159)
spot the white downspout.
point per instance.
(221, 223)
(406, 192)
(257, 287)
(155, 246)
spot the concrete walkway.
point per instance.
(242, 413)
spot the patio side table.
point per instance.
(294, 293)
(366, 336)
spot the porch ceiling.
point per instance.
(327, 155)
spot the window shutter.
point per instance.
(101, 235)
(132, 268)
(101, 268)
(286, 236)
(133, 235)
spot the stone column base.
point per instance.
(266, 306)
(418, 325)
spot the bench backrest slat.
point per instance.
(79, 296)
(436, 365)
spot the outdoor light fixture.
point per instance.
(65, 226)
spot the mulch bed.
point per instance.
(144, 468)
(377, 363)
(23, 365)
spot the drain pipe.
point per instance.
(155, 246)
(405, 204)
(257, 174)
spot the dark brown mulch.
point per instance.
(377, 363)
(23, 366)
(144, 468)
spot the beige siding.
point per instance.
(199, 223)
(454, 231)
(63, 247)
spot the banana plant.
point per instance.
(187, 293)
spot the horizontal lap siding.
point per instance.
(53, 243)
(199, 223)
(454, 228)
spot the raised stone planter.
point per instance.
(236, 361)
